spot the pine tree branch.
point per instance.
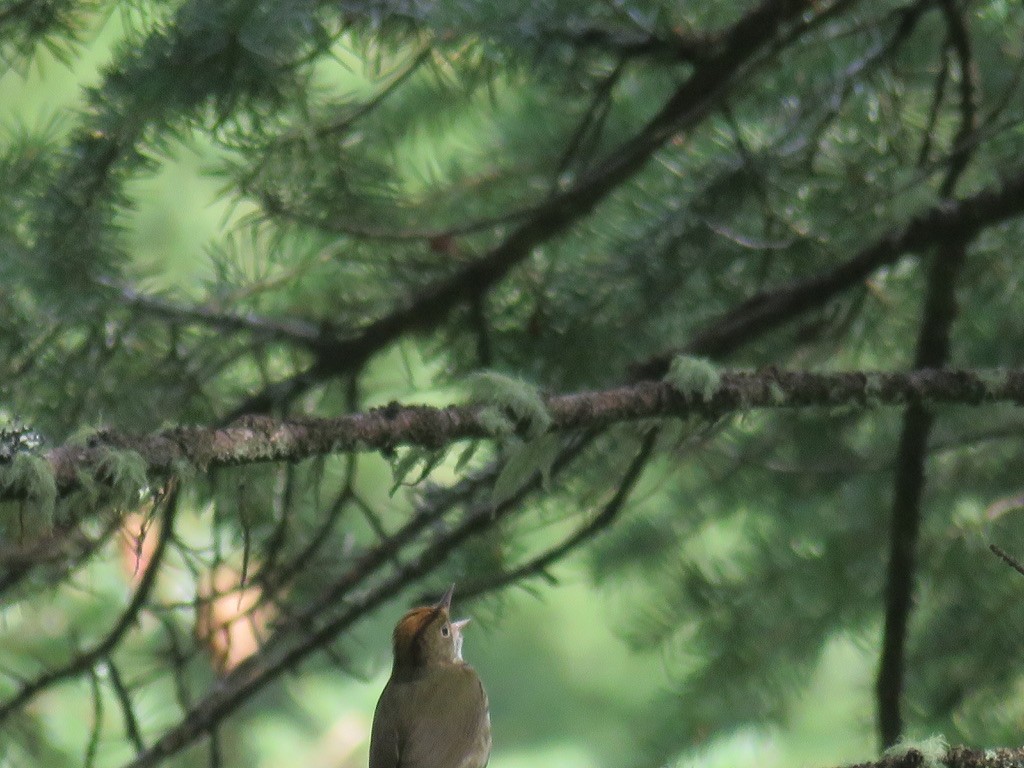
(906, 20)
(688, 106)
(152, 87)
(255, 440)
(945, 222)
(26, 23)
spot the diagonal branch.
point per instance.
(945, 222)
(539, 564)
(124, 699)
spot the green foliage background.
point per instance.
(323, 163)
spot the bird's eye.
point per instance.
(445, 631)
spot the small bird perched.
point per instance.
(433, 712)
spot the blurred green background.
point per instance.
(566, 686)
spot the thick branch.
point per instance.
(933, 346)
(263, 439)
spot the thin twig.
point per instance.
(1010, 561)
(960, 41)
(179, 662)
(85, 660)
(216, 754)
(97, 719)
(589, 127)
(539, 564)
(131, 722)
(295, 332)
(938, 94)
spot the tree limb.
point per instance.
(254, 440)
(933, 347)
(932, 350)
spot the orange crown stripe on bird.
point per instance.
(433, 711)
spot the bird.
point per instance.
(433, 711)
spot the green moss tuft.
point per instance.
(496, 422)
(993, 379)
(692, 376)
(524, 462)
(932, 750)
(126, 472)
(32, 477)
(520, 398)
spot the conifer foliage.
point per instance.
(725, 296)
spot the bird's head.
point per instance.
(427, 636)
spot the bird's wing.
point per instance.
(384, 736)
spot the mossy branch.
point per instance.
(925, 755)
(253, 440)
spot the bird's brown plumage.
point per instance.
(433, 712)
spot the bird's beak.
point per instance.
(458, 625)
(446, 600)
